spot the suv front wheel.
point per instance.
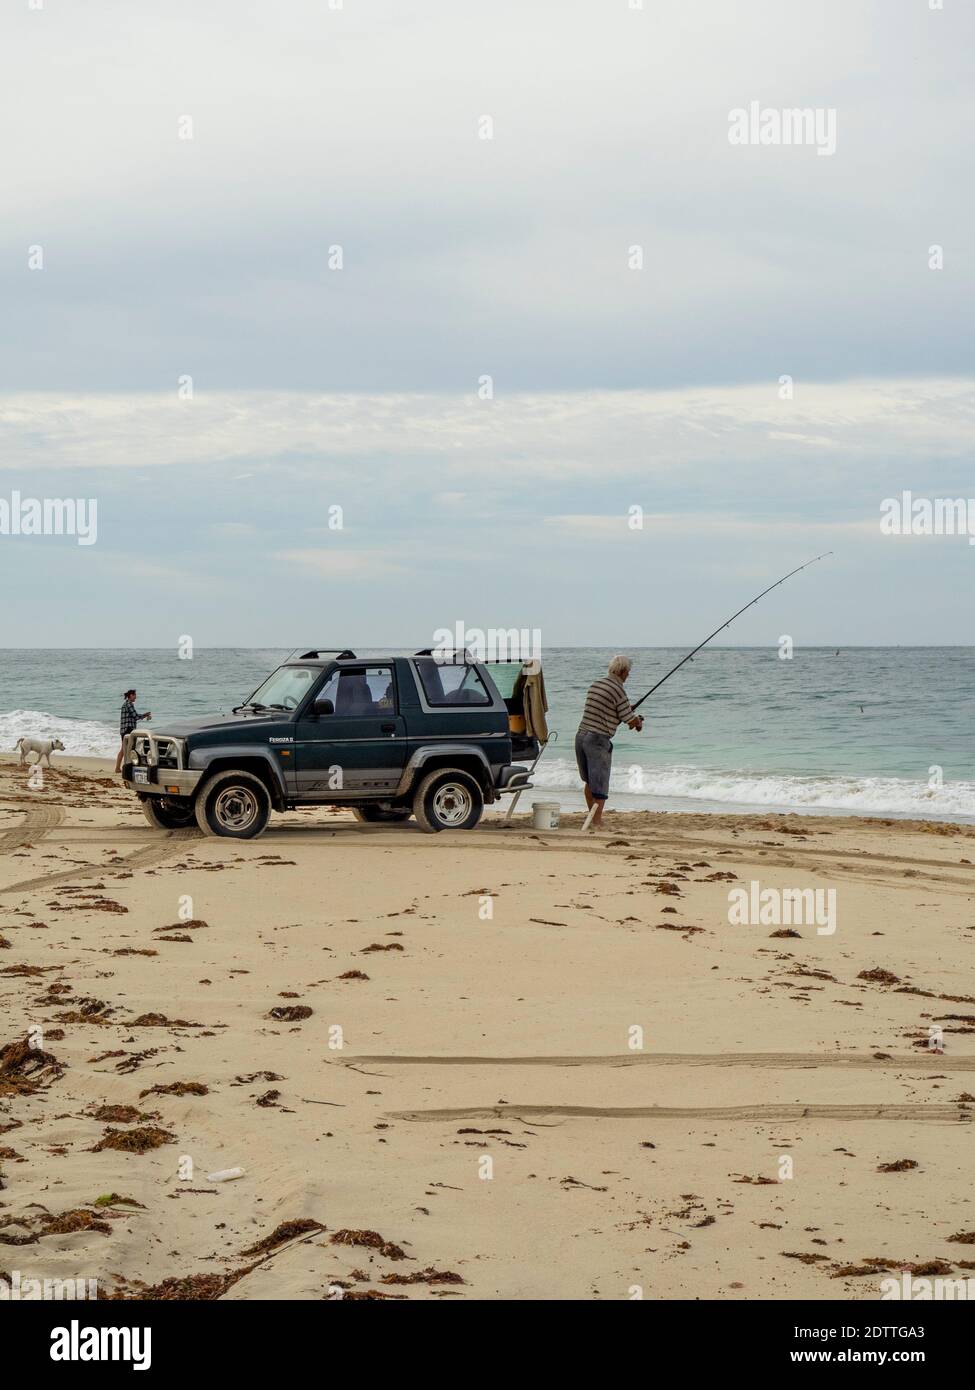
(448, 799)
(165, 813)
(233, 804)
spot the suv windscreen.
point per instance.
(285, 688)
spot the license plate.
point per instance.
(140, 774)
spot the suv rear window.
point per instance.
(445, 684)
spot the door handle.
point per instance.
(387, 728)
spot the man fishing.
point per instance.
(607, 707)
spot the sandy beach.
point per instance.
(420, 1050)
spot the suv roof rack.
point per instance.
(448, 655)
(318, 652)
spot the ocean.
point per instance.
(886, 731)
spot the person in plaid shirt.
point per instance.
(127, 721)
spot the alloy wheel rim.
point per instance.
(452, 803)
(236, 808)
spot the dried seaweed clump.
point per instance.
(77, 1219)
(372, 1240)
(25, 1069)
(369, 1296)
(290, 1013)
(179, 1288)
(287, 1230)
(879, 976)
(177, 1088)
(134, 1141)
(160, 1021)
(424, 1276)
(118, 1114)
(54, 1224)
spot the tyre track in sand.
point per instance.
(37, 823)
(934, 1063)
(759, 1113)
(143, 858)
(865, 866)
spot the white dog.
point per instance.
(43, 747)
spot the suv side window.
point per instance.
(448, 684)
(364, 692)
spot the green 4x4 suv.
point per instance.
(389, 737)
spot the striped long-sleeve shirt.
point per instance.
(607, 706)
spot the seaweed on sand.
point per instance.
(372, 1240)
(177, 1088)
(287, 1230)
(25, 1069)
(134, 1141)
(424, 1276)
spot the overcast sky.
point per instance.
(167, 258)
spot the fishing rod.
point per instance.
(728, 624)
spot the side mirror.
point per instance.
(323, 707)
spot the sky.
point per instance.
(262, 273)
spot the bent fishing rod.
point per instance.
(728, 624)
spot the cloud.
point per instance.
(358, 126)
(342, 564)
(457, 440)
(701, 524)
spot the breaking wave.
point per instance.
(690, 788)
(658, 788)
(83, 737)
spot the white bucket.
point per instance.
(545, 815)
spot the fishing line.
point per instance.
(728, 624)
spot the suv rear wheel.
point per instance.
(167, 814)
(382, 814)
(233, 804)
(448, 799)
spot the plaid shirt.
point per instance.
(128, 719)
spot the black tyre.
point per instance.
(382, 815)
(448, 799)
(233, 804)
(166, 813)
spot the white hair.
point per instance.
(620, 667)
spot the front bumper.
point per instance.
(161, 781)
(155, 764)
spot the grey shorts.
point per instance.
(594, 758)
